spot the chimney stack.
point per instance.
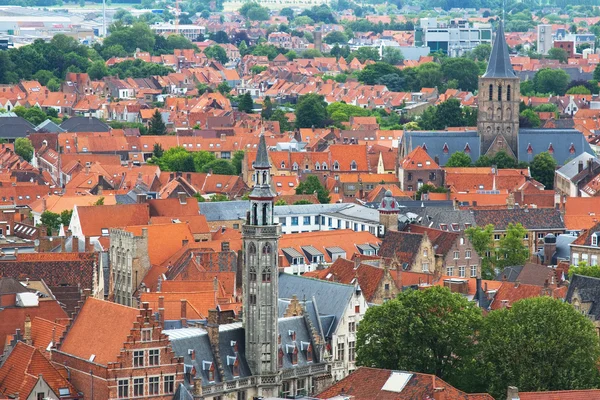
(183, 313)
(27, 333)
(161, 310)
(75, 244)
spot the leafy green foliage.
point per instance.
(459, 159)
(447, 114)
(336, 37)
(216, 52)
(463, 70)
(138, 69)
(311, 185)
(512, 249)
(543, 168)
(51, 221)
(245, 103)
(583, 268)
(373, 72)
(427, 188)
(529, 119)
(363, 54)
(579, 90)
(156, 126)
(311, 110)
(539, 344)
(392, 56)
(137, 36)
(341, 112)
(559, 54)
(24, 148)
(35, 115)
(482, 241)
(179, 159)
(553, 81)
(429, 331)
(129, 125)
(219, 167)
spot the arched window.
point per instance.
(252, 248)
(336, 166)
(266, 249)
(317, 166)
(491, 93)
(265, 214)
(508, 93)
(255, 214)
(283, 164)
(266, 275)
(324, 166)
(499, 93)
(353, 166)
(252, 275)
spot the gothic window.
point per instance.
(353, 165)
(336, 166)
(491, 93)
(266, 275)
(265, 214)
(508, 93)
(467, 148)
(317, 166)
(572, 149)
(324, 167)
(508, 113)
(266, 249)
(551, 149)
(252, 248)
(254, 214)
(446, 149)
(424, 147)
(265, 180)
(499, 93)
(529, 149)
(252, 276)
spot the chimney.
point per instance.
(27, 333)
(75, 244)
(356, 262)
(161, 310)
(88, 248)
(580, 166)
(512, 393)
(43, 204)
(141, 198)
(182, 197)
(223, 137)
(549, 248)
(183, 313)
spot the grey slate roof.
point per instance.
(331, 298)
(499, 65)
(262, 156)
(589, 291)
(224, 210)
(303, 336)
(435, 141)
(432, 217)
(84, 124)
(183, 340)
(561, 140)
(233, 333)
(510, 274)
(12, 127)
(531, 219)
(49, 126)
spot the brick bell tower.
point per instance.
(498, 99)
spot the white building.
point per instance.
(454, 39)
(544, 41)
(190, 32)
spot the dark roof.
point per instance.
(510, 274)
(262, 156)
(585, 239)
(433, 217)
(303, 338)
(440, 145)
(84, 124)
(566, 144)
(49, 126)
(499, 65)
(589, 292)
(531, 218)
(400, 245)
(10, 286)
(535, 274)
(14, 127)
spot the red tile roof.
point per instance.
(94, 218)
(100, 329)
(590, 394)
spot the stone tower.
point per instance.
(498, 100)
(388, 212)
(260, 277)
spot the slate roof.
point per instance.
(224, 210)
(442, 145)
(331, 298)
(570, 169)
(510, 274)
(561, 140)
(499, 65)
(400, 245)
(303, 337)
(49, 126)
(432, 217)
(12, 127)
(589, 292)
(84, 124)
(196, 339)
(531, 219)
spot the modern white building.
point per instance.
(544, 41)
(190, 32)
(454, 39)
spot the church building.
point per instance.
(498, 129)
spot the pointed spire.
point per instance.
(499, 65)
(262, 157)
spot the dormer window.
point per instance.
(353, 166)
(467, 149)
(595, 238)
(550, 149)
(446, 149)
(318, 166)
(529, 149)
(295, 167)
(282, 164)
(572, 149)
(234, 346)
(324, 167)
(292, 334)
(336, 166)
(209, 369)
(280, 358)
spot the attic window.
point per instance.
(595, 239)
(427, 162)
(444, 227)
(419, 165)
(317, 166)
(455, 227)
(550, 149)
(445, 149)
(282, 164)
(336, 166)
(84, 149)
(291, 184)
(104, 231)
(467, 148)
(353, 165)
(529, 149)
(324, 166)
(279, 184)
(292, 334)
(572, 149)
(424, 147)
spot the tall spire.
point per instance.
(499, 65)
(262, 157)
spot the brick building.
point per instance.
(418, 169)
(113, 351)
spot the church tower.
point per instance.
(260, 277)
(498, 100)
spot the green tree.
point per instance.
(392, 56)
(529, 119)
(217, 52)
(597, 72)
(583, 268)
(553, 81)
(430, 331)
(311, 110)
(177, 159)
(372, 72)
(503, 161)
(363, 54)
(156, 126)
(539, 344)
(220, 167)
(245, 103)
(284, 122)
(157, 150)
(35, 115)
(97, 70)
(482, 241)
(559, 54)
(53, 85)
(483, 161)
(267, 108)
(311, 53)
(543, 168)
(481, 52)
(257, 69)
(202, 158)
(218, 197)
(446, 114)
(312, 185)
(24, 148)
(512, 250)
(463, 70)
(237, 160)
(300, 202)
(336, 37)
(281, 202)
(224, 88)
(65, 217)
(579, 90)
(429, 75)
(459, 159)
(51, 221)
(43, 76)
(99, 202)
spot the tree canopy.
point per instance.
(543, 168)
(311, 111)
(24, 148)
(312, 185)
(459, 159)
(429, 331)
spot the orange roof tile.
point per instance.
(163, 240)
(95, 218)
